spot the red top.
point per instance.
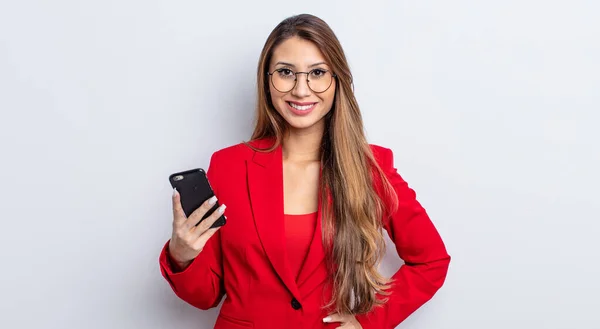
(299, 231)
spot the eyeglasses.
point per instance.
(284, 80)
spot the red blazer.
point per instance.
(246, 259)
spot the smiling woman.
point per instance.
(302, 97)
(307, 201)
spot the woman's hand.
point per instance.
(188, 240)
(347, 321)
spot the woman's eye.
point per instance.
(285, 72)
(318, 72)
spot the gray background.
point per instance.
(490, 108)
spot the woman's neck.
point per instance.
(301, 145)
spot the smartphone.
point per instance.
(194, 188)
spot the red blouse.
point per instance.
(299, 231)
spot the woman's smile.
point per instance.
(301, 108)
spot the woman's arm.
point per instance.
(200, 283)
(418, 244)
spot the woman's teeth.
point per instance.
(301, 108)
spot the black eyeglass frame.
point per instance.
(270, 74)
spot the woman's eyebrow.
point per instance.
(292, 65)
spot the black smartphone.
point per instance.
(194, 188)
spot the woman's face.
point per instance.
(302, 107)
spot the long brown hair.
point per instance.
(352, 227)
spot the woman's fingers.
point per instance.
(335, 317)
(346, 321)
(178, 214)
(206, 224)
(203, 238)
(188, 239)
(197, 215)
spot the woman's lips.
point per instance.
(302, 110)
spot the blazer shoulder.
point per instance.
(234, 152)
(226, 161)
(383, 155)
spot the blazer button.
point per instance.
(296, 304)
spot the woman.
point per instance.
(307, 201)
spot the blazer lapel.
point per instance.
(265, 186)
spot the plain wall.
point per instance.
(491, 109)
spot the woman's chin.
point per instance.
(299, 122)
(303, 123)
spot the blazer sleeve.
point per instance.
(418, 243)
(201, 283)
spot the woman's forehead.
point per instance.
(298, 53)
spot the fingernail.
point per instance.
(212, 200)
(174, 191)
(222, 208)
(327, 319)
